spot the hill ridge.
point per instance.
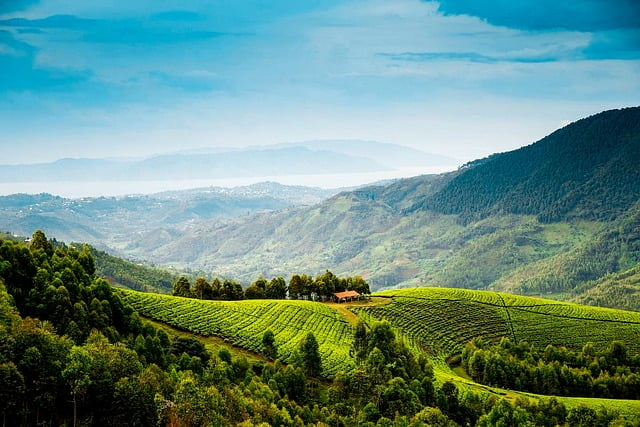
(560, 176)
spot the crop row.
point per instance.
(442, 325)
(242, 323)
(582, 312)
(437, 318)
(490, 298)
(543, 329)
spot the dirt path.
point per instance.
(344, 307)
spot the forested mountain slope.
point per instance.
(587, 170)
(615, 248)
(126, 274)
(621, 290)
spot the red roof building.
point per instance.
(347, 296)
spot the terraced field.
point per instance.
(442, 326)
(242, 323)
(444, 320)
(441, 321)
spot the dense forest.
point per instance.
(133, 276)
(587, 170)
(612, 373)
(72, 352)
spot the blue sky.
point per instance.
(463, 78)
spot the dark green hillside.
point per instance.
(127, 274)
(588, 170)
(615, 248)
(620, 290)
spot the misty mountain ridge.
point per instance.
(104, 221)
(318, 157)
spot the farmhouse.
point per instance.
(346, 296)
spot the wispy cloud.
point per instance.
(19, 73)
(15, 5)
(464, 56)
(131, 31)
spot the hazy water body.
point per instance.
(76, 189)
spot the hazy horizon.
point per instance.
(198, 150)
(79, 189)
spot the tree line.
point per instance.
(300, 286)
(611, 373)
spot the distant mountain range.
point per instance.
(108, 221)
(316, 157)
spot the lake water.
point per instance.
(76, 189)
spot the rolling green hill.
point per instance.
(444, 320)
(437, 321)
(243, 323)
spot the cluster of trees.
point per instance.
(201, 289)
(113, 369)
(300, 287)
(51, 281)
(611, 373)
